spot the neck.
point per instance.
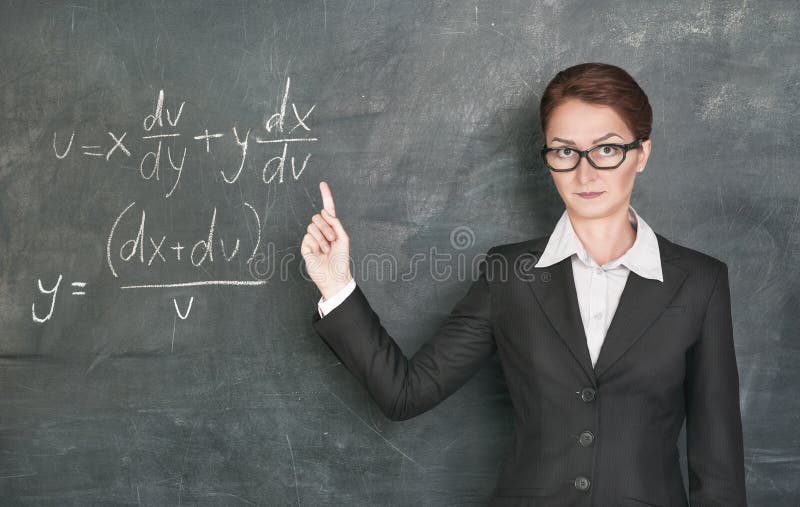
(605, 238)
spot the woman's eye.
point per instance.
(565, 152)
(608, 150)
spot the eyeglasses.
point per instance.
(601, 156)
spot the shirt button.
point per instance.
(586, 438)
(599, 271)
(588, 394)
(581, 483)
(598, 315)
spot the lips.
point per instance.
(589, 194)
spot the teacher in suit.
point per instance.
(610, 335)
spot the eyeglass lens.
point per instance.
(605, 155)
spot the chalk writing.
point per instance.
(202, 252)
(53, 293)
(183, 315)
(161, 125)
(163, 154)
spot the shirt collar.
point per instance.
(643, 257)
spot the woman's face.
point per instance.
(580, 125)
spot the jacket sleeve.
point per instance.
(404, 388)
(713, 419)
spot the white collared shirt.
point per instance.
(599, 288)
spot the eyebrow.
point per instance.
(567, 141)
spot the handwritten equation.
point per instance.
(162, 162)
(79, 289)
(133, 240)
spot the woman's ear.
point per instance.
(644, 154)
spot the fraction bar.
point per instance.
(193, 284)
(292, 140)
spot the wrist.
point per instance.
(330, 290)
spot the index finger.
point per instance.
(327, 198)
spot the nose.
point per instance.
(585, 172)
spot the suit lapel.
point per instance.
(554, 288)
(641, 302)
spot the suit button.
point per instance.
(586, 438)
(588, 394)
(582, 483)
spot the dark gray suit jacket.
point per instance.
(585, 436)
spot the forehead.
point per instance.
(582, 122)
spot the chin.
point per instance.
(590, 208)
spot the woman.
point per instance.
(601, 378)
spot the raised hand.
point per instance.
(326, 248)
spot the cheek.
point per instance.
(566, 184)
(626, 179)
(560, 180)
(622, 178)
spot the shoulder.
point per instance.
(688, 255)
(702, 267)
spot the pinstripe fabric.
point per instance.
(668, 356)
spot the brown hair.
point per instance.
(600, 84)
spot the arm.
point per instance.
(713, 418)
(402, 387)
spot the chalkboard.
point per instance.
(159, 163)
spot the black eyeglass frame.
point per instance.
(585, 153)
